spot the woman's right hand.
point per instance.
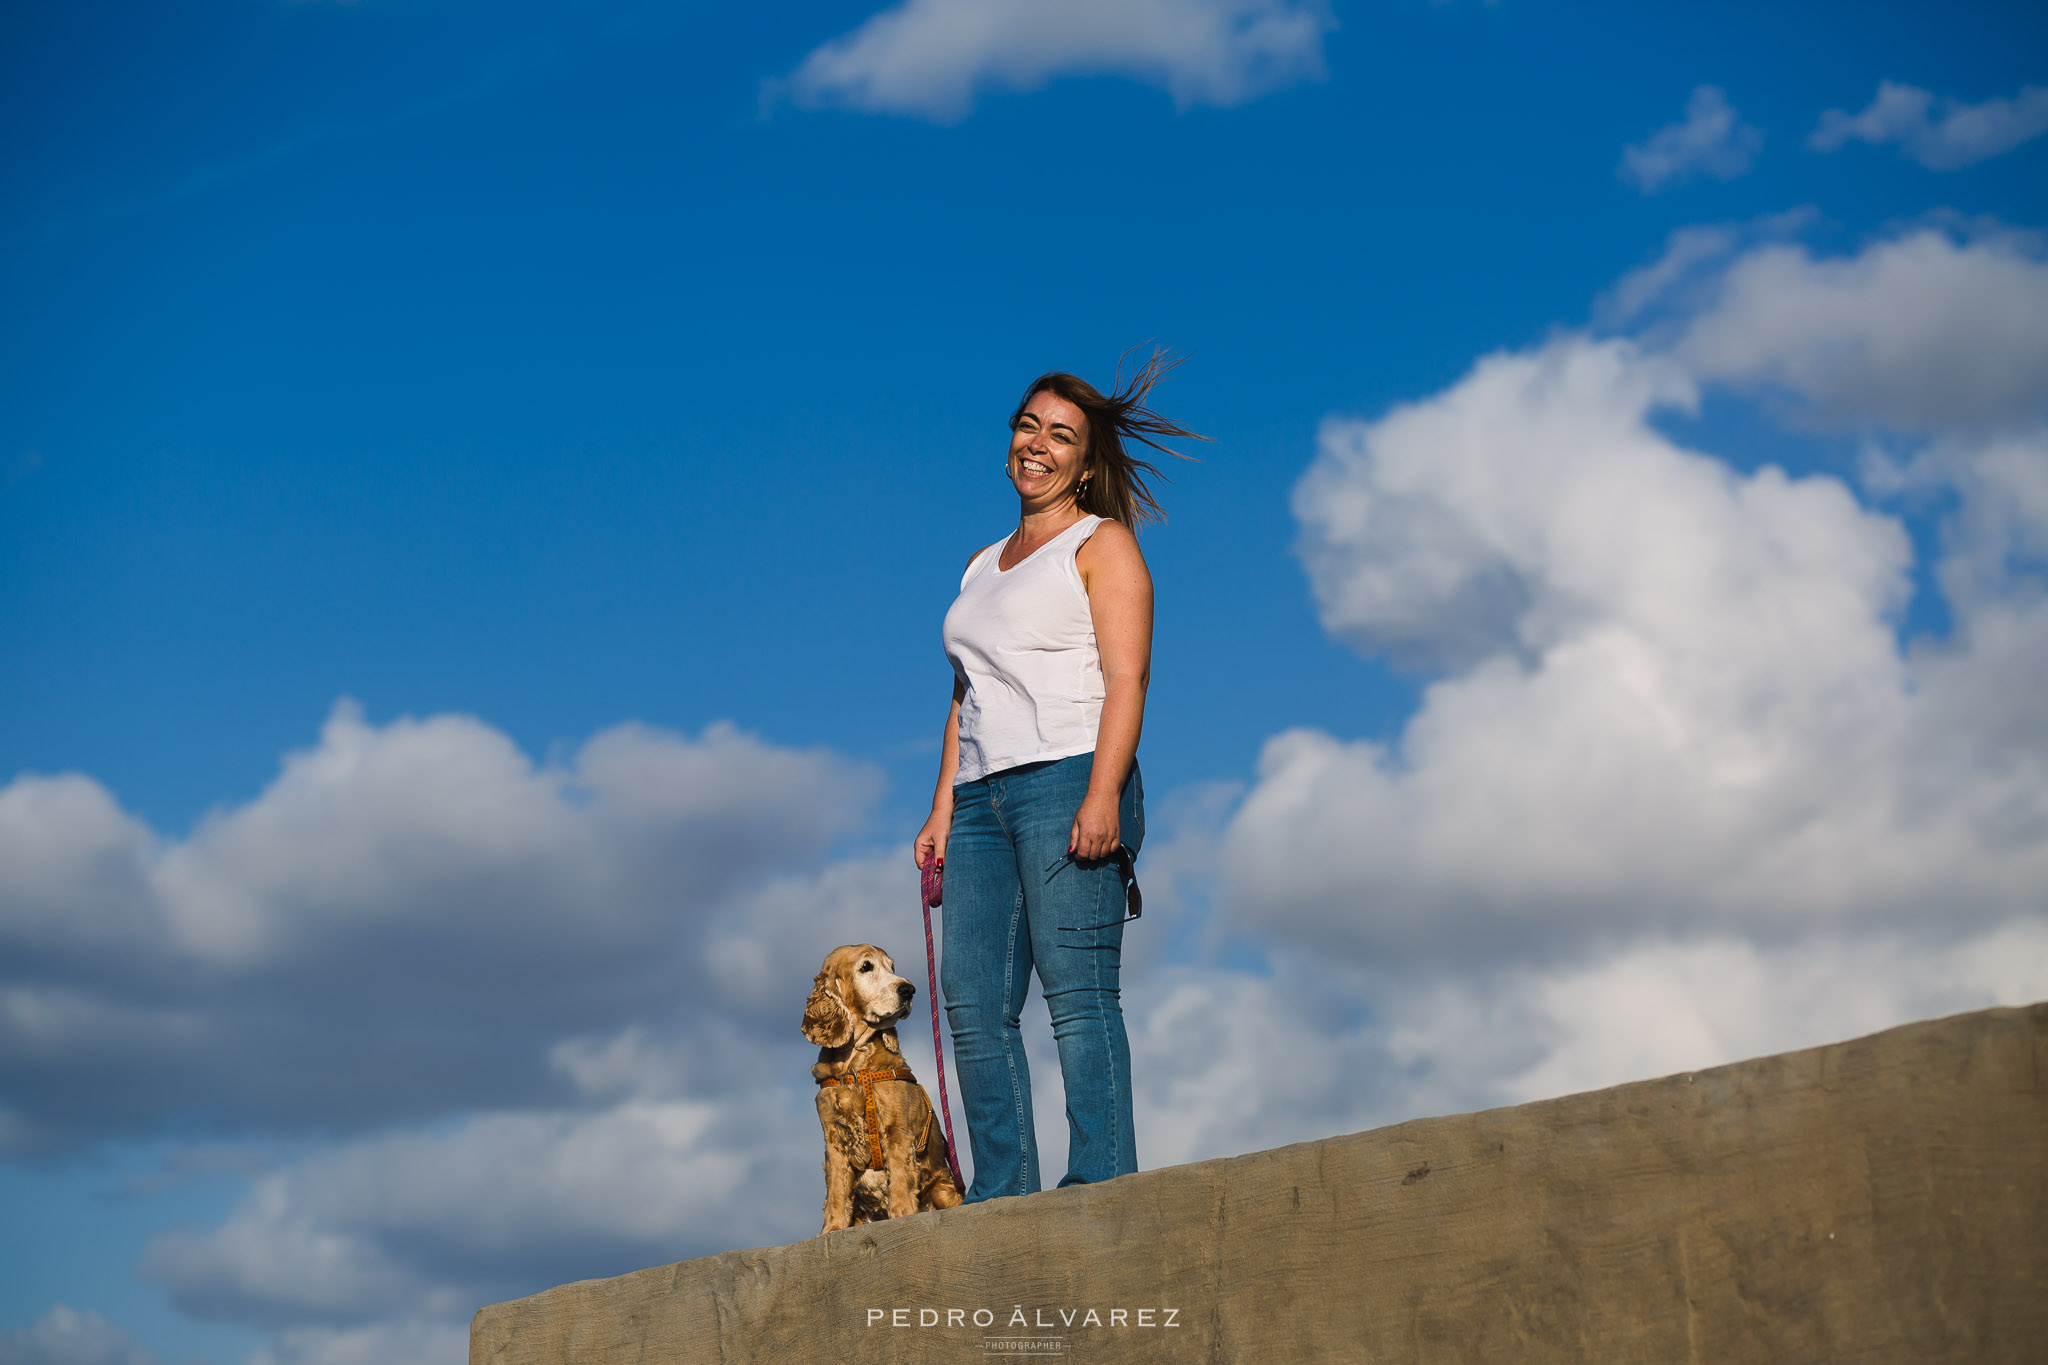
(930, 843)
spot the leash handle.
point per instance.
(932, 893)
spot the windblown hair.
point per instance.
(1116, 486)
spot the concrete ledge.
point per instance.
(1880, 1200)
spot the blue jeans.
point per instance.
(1015, 902)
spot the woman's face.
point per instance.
(1046, 448)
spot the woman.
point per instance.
(1039, 793)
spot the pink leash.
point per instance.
(932, 896)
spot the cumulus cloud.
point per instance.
(932, 58)
(65, 1336)
(1921, 331)
(1661, 673)
(1940, 133)
(1712, 140)
(1659, 1006)
(1671, 702)
(401, 925)
(1227, 1062)
(421, 1226)
(1686, 273)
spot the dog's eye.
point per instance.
(867, 966)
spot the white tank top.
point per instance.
(1023, 641)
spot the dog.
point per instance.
(884, 1156)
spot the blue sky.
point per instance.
(561, 428)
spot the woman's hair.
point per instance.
(1116, 487)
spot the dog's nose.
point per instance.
(904, 990)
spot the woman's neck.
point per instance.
(1035, 526)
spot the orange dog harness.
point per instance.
(867, 1081)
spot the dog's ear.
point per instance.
(827, 1021)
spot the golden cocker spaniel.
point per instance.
(884, 1156)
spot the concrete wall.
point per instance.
(1881, 1200)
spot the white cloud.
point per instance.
(1686, 252)
(1676, 697)
(65, 1336)
(1941, 134)
(425, 1225)
(1685, 274)
(1225, 1062)
(1228, 1063)
(1672, 698)
(1996, 536)
(1657, 1006)
(932, 58)
(403, 924)
(1919, 331)
(1712, 141)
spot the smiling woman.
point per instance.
(1039, 798)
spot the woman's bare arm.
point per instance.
(1120, 601)
(931, 840)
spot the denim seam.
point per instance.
(1009, 1057)
(1116, 1144)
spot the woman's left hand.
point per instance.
(1096, 831)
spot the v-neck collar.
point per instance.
(1050, 540)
